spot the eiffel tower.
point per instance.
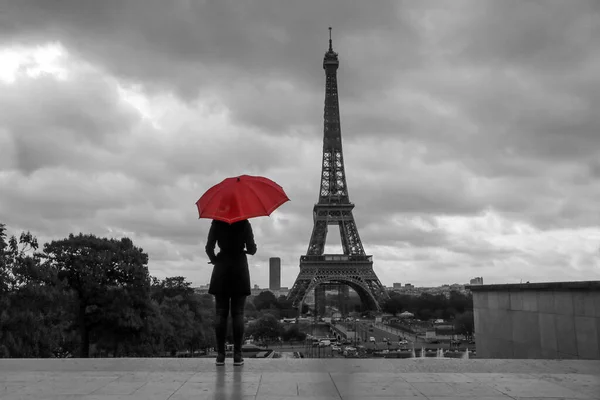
(354, 268)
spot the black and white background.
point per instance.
(471, 129)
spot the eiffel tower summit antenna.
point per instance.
(353, 268)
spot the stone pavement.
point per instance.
(316, 379)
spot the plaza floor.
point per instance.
(324, 379)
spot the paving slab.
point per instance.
(315, 379)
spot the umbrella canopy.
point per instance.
(406, 314)
(240, 198)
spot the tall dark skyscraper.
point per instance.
(274, 273)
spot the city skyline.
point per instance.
(469, 130)
(283, 287)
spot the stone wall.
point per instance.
(539, 320)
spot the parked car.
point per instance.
(349, 351)
(403, 342)
(372, 339)
(336, 348)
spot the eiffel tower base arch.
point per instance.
(356, 272)
(367, 299)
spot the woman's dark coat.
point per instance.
(230, 274)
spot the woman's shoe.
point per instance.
(220, 359)
(238, 360)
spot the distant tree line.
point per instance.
(267, 310)
(429, 306)
(456, 308)
(267, 329)
(266, 302)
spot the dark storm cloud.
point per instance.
(52, 122)
(168, 43)
(521, 116)
(239, 52)
(524, 76)
(228, 49)
(542, 36)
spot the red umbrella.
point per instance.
(240, 198)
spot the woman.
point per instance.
(230, 281)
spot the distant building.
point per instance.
(409, 286)
(476, 281)
(274, 273)
(397, 285)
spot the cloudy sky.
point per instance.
(470, 128)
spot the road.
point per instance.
(380, 331)
(364, 332)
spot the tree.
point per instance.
(273, 310)
(19, 263)
(172, 287)
(90, 266)
(180, 327)
(116, 320)
(35, 323)
(5, 278)
(393, 305)
(207, 302)
(293, 333)
(464, 324)
(460, 302)
(264, 300)
(424, 314)
(266, 328)
(286, 309)
(186, 317)
(35, 314)
(250, 310)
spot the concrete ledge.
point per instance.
(576, 285)
(434, 365)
